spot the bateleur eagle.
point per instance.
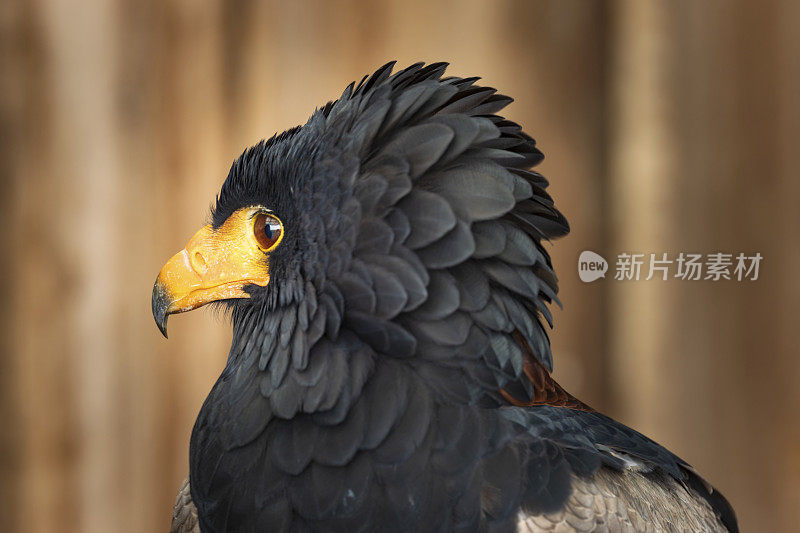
(386, 277)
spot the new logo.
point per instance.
(591, 266)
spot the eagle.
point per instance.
(386, 277)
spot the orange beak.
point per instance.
(215, 265)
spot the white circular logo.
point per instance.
(591, 266)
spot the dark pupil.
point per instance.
(272, 229)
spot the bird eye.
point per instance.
(268, 231)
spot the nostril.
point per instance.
(198, 262)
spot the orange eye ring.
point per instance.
(268, 230)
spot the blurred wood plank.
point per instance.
(641, 202)
(24, 126)
(86, 175)
(42, 280)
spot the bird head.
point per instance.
(265, 234)
(401, 221)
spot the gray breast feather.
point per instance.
(609, 501)
(626, 501)
(184, 513)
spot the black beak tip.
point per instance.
(160, 305)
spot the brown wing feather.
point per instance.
(546, 391)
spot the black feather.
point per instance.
(453, 248)
(473, 195)
(490, 238)
(421, 146)
(430, 217)
(443, 297)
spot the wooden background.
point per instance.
(668, 127)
